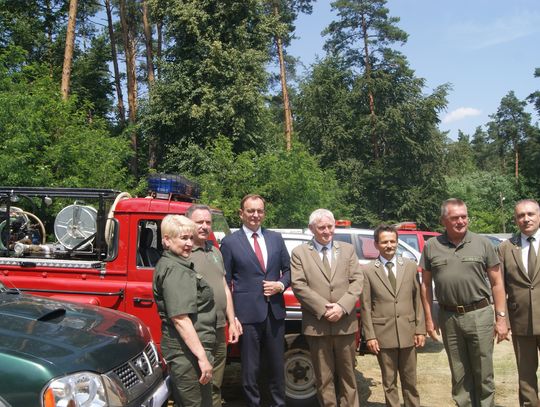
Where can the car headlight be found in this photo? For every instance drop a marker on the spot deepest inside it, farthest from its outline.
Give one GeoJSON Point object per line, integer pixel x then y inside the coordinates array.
{"type": "Point", "coordinates": [82, 389]}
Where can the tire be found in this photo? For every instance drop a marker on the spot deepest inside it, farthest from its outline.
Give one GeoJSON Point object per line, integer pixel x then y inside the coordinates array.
{"type": "Point", "coordinates": [300, 383]}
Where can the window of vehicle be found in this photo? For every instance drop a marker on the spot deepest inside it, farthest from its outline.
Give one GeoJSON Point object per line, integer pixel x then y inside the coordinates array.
{"type": "Point", "coordinates": [220, 227]}
{"type": "Point", "coordinates": [291, 243]}
{"type": "Point", "coordinates": [411, 240]}
{"type": "Point", "coordinates": [149, 246]}
{"type": "Point", "coordinates": [363, 244]}
{"type": "Point", "coordinates": [111, 238]}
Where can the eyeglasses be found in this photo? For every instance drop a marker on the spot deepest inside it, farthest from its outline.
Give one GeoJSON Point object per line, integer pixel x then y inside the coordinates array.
{"type": "Point", "coordinates": [253, 211]}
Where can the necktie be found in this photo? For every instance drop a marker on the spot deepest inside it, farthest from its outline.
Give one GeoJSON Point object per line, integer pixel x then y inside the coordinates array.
{"type": "Point", "coordinates": [391, 275]}
{"type": "Point", "coordinates": [531, 260]}
{"type": "Point", "coordinates": [325, 261]}
{"type": "Point", "coordinates": [258, 251]}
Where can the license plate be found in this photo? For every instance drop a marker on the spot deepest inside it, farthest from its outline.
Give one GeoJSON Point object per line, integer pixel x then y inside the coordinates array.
{"type": "Point", "coordinates": [160, 396]}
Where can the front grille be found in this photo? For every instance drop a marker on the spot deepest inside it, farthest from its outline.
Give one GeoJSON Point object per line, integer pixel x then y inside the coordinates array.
{"type": "Point", "coordinates": [127, 375]}
{"type": "Point", "coordinates": [151, 352]}
{"type": "Point", "coordinates": [137, 369]}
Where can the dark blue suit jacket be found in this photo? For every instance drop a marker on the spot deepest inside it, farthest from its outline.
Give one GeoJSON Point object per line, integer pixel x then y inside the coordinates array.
{"type": "Point", "coordinates": [246, 275]}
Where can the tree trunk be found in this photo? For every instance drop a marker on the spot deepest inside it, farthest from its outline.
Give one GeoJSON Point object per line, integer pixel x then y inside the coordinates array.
{"type": "Point", "coordinates": [159, 30]}
{"type": "Point", "coordinates": [152, 142]}
{"type": "Point", "coordinates": [370, 92]}
{"type": "Point", "coordinates": [516, 153]}
{"type": "Point", "coordinates": [49, 29]}
{"type": "Point", "coordinates": [283, 78]}
{"type": "Point", "coordinates": [129, 47]}
{"type": "Point", "coordinates": [114, 55]}
{"type": "Point", "coordinates": [68, 52]}
{"type": "Point", "coordinates": [148, 42]}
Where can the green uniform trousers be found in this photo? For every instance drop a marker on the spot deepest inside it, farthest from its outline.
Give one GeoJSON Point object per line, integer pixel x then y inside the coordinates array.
{"type": "Point", "coordinates": [468, 340]}
{"type": "Point", "coordinates": [220, 357]}
{"type": "Point", "coordinates": [186, 389]}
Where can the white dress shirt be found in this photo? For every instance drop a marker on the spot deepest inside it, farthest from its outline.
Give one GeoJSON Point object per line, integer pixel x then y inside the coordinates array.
{"type": "Point", "coordinates": [525, 248]}
{"type": "Point", "coordinates": [260, 239]}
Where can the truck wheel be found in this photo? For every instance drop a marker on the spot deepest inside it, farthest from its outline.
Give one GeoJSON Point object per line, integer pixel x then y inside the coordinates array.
{"type": "Point", "coordinates": [300, 384]}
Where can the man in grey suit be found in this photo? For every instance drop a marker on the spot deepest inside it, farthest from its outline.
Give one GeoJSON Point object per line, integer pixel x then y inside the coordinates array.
{"type": "Point", "coordinates": [393, 317]}
{"type": "Point", "coordinates": [522, 281]}
{"type": "Point", "coordinates": [327, 280]}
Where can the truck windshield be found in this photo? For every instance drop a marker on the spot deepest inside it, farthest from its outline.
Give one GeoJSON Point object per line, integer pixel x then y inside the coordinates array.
{"type": "Point", "coordinates": [220, 226]}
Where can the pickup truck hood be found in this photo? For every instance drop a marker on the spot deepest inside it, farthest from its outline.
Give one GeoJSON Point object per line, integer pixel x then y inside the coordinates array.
{"type": "Point", "coordinates": [64, 337]}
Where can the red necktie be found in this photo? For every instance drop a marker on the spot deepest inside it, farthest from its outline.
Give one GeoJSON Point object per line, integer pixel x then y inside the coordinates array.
{"type": "Point", "coordinates": [258, 251]}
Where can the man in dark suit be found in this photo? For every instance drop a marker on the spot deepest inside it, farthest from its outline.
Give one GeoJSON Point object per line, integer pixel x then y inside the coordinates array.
{"type": "Point", "coordinates": [522, 281]}
{"type": "Point", "coordinates": [258, 267]}
{"type": "Point", "coordinates": [393, 317]}
{"type": "Point", "coordinates": [327, 280]}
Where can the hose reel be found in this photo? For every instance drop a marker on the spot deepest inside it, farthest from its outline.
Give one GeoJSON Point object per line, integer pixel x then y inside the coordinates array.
{"type": "Point", "coordinates": [75, 225]}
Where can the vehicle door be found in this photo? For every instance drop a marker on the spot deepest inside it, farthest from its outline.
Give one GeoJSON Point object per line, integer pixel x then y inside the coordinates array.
{"type": "Point", "coordinates": [144, 250]}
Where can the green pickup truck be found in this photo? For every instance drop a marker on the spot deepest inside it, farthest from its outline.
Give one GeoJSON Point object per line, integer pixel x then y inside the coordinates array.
{"type": "Point", "coordinates": [61, 354]}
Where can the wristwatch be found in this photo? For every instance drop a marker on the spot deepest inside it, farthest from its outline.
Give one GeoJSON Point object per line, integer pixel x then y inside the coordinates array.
{"type": "Point", "coordinates": [501, 314]}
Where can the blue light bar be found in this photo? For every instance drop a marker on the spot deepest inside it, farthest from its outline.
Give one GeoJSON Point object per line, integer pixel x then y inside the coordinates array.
{"type": "Point", "coordinates": [167, 186]}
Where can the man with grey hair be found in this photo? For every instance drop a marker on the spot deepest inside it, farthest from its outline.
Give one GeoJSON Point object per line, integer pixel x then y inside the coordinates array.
{"type": "Point", "coordinates": [327, 280]}
{"type": "Point", "coordinates": [519, 256]}
{"type": "Point", "coordinates": [208, 262]}
{"type": "Point", "coordinates": [461, 263]}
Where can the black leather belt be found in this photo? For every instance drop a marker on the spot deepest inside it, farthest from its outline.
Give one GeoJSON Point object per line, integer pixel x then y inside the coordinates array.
{"type": "Point", "coordinates": [462, 309]}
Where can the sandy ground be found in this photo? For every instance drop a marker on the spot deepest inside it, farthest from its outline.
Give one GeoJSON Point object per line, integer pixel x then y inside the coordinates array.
{"type": "Point", "coordinates": [433, 379]}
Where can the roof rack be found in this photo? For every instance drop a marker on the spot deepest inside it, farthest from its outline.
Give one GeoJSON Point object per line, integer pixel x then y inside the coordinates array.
{"type": "Point", "coordinates": [6, 192]}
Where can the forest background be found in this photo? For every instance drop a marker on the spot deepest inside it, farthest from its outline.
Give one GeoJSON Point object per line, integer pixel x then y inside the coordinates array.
{"type": "Point", "coordinates": [189, 87]}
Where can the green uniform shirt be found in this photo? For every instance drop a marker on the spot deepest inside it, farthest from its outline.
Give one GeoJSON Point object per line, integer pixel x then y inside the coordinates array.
{"type": "Point", "coordinates": [180, 290]}
{"type": "Point", "coordinates": [209, 263]}
{"type": "Point", "coordinates": [459, 272]}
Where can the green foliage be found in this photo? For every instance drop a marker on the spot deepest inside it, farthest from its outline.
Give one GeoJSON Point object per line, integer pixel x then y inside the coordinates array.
{"type": "Point", "coordinates": [291, 182]}
{"type": "Point", "coordinates": [534, 97]}
{"type": "Point", "coordinates": [216, 120]}
{"type": "Point", "coordinates": [363, 23]}
{"type": "Point", "coordinates": [46, 141]}
{"type": "Point", "coordinates": [31, 25]}
{"type": "Point", "coordinates": [460, 159]}
{"type": "Point", "coordinates": [509, 128]}
{"type": "Point", "coordinates": [490, 199]}
{"type": "Point", "coordinates": [406, 181]}
{"type": "Point", "coordinates": [214, 76]}
{"type": "Point", "coordinates": [91, 81]}
{"type": "Point", "coordinates": [530, 165]}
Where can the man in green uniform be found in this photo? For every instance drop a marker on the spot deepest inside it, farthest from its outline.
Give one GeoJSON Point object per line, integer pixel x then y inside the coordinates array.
{"type": "Point", "coordinates": [209, 263]}
{"type": "Point", "coordinates": [461, 263]}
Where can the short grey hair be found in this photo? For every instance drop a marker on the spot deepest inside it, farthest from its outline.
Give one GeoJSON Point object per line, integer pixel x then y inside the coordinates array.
{"type": "Point", "coordinates": [524, 201]}
{"type": "Point", "coordinates": [448, 202]}
{"type": "Point", "coordinates": [197, 207]}
{"type": "Point", "coordinates": [318, 214]}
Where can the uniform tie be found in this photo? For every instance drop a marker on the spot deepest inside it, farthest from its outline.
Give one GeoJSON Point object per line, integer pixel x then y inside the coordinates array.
{"type": "Point", "coordinates": [325, 261]}
{"type": "Point", "coordinates": [258, 251]}
{"type": "Point", "coordinates": [391, 275]}
{"type": "Point", "coordinates": [531, 260]}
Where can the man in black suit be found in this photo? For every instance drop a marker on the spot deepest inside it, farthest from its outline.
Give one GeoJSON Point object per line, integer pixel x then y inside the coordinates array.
{"type": "Point", "coordinates": [258, 268]}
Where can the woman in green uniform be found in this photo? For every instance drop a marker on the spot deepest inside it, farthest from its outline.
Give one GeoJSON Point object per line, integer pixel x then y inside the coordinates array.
{"type": "Point", "coordinates": [185, 304]}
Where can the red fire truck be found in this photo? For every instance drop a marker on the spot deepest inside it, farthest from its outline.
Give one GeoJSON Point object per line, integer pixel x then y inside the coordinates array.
{"type": "Point", "coordinates": [99, 246]}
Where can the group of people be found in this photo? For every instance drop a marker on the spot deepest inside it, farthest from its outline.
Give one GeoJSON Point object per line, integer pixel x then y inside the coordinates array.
{"type": "Point", "coordinates": [199, 289]}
